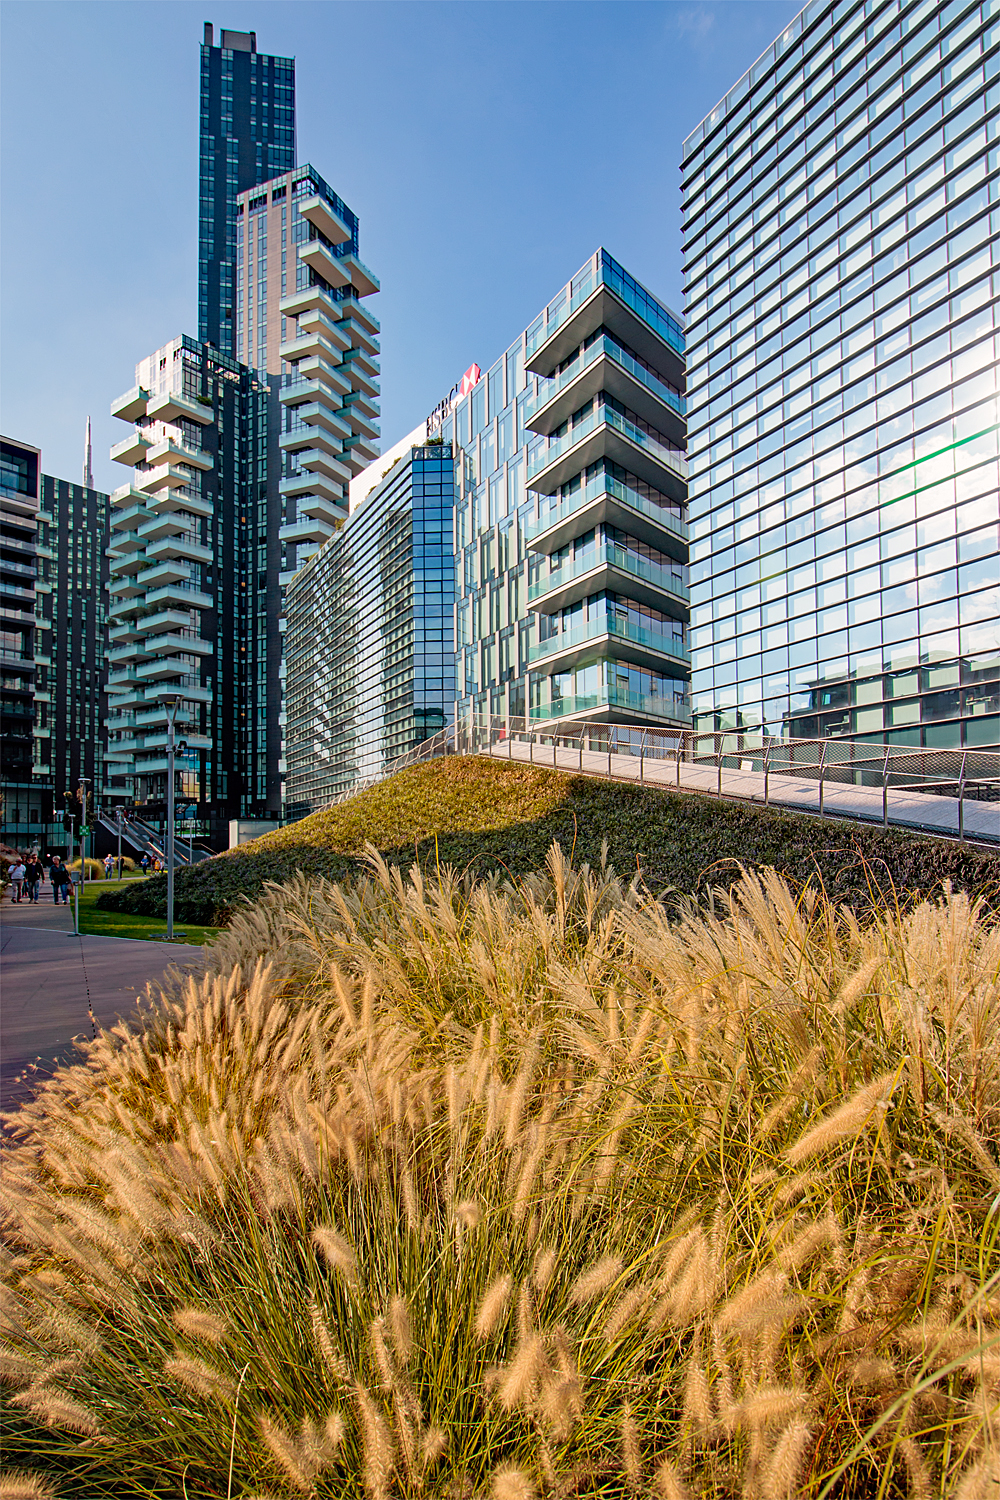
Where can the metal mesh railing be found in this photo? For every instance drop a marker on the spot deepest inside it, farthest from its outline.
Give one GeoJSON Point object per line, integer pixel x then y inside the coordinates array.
{"type": "Point", "coordinates": [952, 792]}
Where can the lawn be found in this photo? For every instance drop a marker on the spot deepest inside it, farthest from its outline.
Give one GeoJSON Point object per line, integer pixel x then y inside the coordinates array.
{"type": "Point", "coordinates": [96, 920]}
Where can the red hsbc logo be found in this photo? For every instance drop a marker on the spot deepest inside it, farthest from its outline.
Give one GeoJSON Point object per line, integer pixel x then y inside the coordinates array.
{"type": "Point", "coordinates": [461, 388]}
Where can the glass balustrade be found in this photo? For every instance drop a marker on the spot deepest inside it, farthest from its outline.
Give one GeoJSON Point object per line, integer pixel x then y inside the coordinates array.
{"type": "Point", "coordinates": [611, 275]}
{"type": "Point", "coordinates": [605, 484]}
{"type": "Point", "coordinates": [617, 557]}
{"type": "Point", "coordinates": [652, 704]}
{"type": "Point", "coordinates": [672, 458]}
{"type": "Point", "coordinates": [602, 346]}
{"type": "Point", "coordinates": [625, 630]}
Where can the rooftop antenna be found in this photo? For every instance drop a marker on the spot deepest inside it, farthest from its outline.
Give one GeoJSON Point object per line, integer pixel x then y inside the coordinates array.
{"type": "Point", "coordinates": [88, 465]}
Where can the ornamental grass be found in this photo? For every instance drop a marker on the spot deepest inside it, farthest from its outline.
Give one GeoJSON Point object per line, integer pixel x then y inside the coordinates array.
{"type": "Point", "coordinates": [445, 1187]}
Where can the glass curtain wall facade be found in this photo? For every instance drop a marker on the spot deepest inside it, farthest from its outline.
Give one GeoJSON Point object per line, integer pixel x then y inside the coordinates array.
{"type": "Point", "coordinates": [190, 609]}
{"type": "Point", "coordinates": [247, 136]}
{"type": "Point", "coordinates": [841, 225]}
{"type": "Point", "coordinates": [72, 614]}
{"type": "Point", "coordinates": [25, 771]}
{"type": "Point", "coordinates": [570, 519]}
{"type": "Point", "coordinates": [369, 643]}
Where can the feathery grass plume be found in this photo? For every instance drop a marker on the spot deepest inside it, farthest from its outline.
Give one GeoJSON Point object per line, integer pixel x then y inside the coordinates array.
{"type": "Point", "coordinates": [849, 1120]}
{"type": "Point", "coordinates": [200, 1378]}
{"type": "Point", "coordinates": [595, 1280]}
{"type": "Point", "coordinates": [520, 1379]}
{"type": "Point", "coordinates": [434, 1446]}
{"type": "Point", "coordinates": [543, 1269]}
{"type": "Point", "coordinates": [560, 1405]}
{"type": "Point", "coordinates": [329, 1350]}
{"type": "Point", "coordinates": [51, 1407]}
{"type": "Point", "coordinates": [402, 1332]}
{"type": "Point", "coordinates": [299, 1465]}
{"type": "Point", "coordinates": [921, 1484]}
{"type": "Point", "coordinates": [631, 1451]}
{"type": "Point", "coordinates": [668, 1483]}
{"type": "Point", "coordinates": [336, 1252]}
{"type": "Point", "coordinates": [14, 1368]}
{"type": "Point", "coordinates": [380, 1350]}
{"type": "Point", "coordinates": [696, 1413]}
{"type": "Point", "coordinates": [199, 1323]}
{"type": "Point", "coordinates": [378, 1447]}
{"type": "Point", "coordinates": [514, 1118]}
{"type": "Point", "coordinates": [468, 1213]}
{"type": "Point", "coordinates": [625, 1314]}
{"type": "Point", "coordinates": [980, 1480]}
{"type": "Point", "coordinates": [493, 1306]}
{"type": "Point", "coordinates": [780, 1479]}
{"type": "Point", "coordinates": [769, 1405]}
{"type": "Point", "coordinates": [511, 1483]}
{"type": "Point", "coordinates": [17, 1484]}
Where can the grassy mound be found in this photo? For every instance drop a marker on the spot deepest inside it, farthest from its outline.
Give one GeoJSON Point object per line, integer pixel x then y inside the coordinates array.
{"type": "Point", "coordinates": [523, 1190]}
{"type": "Point", "coordinates": [481, 814]}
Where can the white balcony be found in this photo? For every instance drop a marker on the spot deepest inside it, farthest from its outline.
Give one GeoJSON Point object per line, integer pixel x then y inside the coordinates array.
{"type": "Point", "coordinates": [131, 450]}
{"type": "Point", "coordinates": [164, 476]}
{"type": "Point", "coordinates": [169, 641]}
{"type": "Point", "coordinates": [361, 315]}
{"type": "Point", "coordinates": [169, 407]}
{"type": "Point", "coordinates": [320, 419]}
{"type": "Point", "coordinates": [179, 499]}
{"type": "Point", "coordinates": [317, 257]}
{"type": "Point", "coordinates": [181, 596]}
{"type": "Point", "coordinates": [316, 484]}
{"type": "Point", "coordinates": [316, 318]}
{"type": "Point", "coordinates": [318, 461]}
{"type": "Point", "coordinates": [363, 280]}
{"type": "Point", "coordinates": [305, 530]}
{"type": "Point", "coordinates": [131, 405]}
{"type": "Point", "coordinates": [156, 528]}
{"type": "Point", "coordinates": [169, 548]}
{"type": "Point", "coordinates": [318, 509]}
{"type": "Point", "coordinates": [329, 223]}
{"type": "Point", "coordinates": [127, 496]}
{"type": "Point", "coordinates": [170, 449]}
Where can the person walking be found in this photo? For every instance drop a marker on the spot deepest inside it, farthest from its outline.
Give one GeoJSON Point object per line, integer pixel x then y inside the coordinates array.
{"type": "Point", "coordinates": [61, 881]}
{"type": "Point", "coordinates": [109, 865]}
{"type": "Point", "coordinates": [32, 876]}
{"type": "Point", "coordinates": [17, 873]}
{"type": "Point", "coordinates": [144, 863]}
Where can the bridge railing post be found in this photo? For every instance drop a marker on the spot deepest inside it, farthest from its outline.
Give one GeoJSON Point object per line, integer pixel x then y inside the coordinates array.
{"type": "Point", "coordinates": [961, 799]}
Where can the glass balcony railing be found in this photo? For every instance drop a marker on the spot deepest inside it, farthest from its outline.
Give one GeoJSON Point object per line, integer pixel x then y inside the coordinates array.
{"type": "Point", "coordinates": [622, 630]}
{"type": "Point", "coordinates": [655, 705]}
{"type": "Point", "coordinates": [611, 275]}
{"type": "Point", "coordinates": [671, 458]}
{"type": "Point", "coordinates": [604, 484]}
{"type": "Point", "coordinates": [610, 347]}
{"type": "Point", "coordinates": [618, 557]}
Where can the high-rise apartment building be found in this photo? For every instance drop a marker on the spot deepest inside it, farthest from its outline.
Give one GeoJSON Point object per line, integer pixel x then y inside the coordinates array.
{"type": "Point", "coordinates": [72, 624]}
{"type": "Point", "coordinates": [369, 646]}
{"type": "Point", "coordinates": [193, 603]}
{"type": "Point", "coordinates": [300, 322]}
{"type": "Point", "coordinates": [247, 136]}
{"type": "Point", "coordinates": [841, 225]}
{"type": "Point", "coordinates": [25, 771]}
{"type": "Point", "coordinates": [570, 519]}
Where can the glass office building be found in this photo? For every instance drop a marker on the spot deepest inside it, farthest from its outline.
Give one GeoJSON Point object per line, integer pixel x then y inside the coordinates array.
{"type": "Point", "coordinates": [247, 136]}
{"type": "Point", "coordinates": [570, 520]}
{"type": "Point", "coordinates": [369, 644]}
{"type": "Point", "coordinates": [841, 225]}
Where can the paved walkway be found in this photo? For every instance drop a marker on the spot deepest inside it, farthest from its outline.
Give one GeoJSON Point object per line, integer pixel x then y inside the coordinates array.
{"type": "Point", "coordinates": [47, 973]}
{"type": "Point", "coordinates": [907, 809]}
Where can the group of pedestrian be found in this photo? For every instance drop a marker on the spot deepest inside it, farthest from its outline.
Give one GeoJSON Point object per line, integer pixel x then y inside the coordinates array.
{"type": "Point", "coordinates": [26, 877]}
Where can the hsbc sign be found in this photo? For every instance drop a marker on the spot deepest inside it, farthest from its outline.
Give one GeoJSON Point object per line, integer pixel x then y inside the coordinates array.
{"type": "Point", "coordinates": [459, 389]}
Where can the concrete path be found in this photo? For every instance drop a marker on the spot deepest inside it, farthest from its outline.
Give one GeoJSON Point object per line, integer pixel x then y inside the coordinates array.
{"type": "Point", "coordinates": [907, 809]}
{"type": "Point", "coordinates": [46, 973]}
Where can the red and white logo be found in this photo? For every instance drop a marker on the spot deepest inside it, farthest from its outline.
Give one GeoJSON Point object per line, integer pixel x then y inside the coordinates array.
{"type": "Point", "coordinates": [469, 379]}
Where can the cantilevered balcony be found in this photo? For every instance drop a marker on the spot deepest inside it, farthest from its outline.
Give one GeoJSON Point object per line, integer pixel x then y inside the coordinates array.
{"type": "Point", "coordinates": [321, 421]}
{"type": "Point", "coordinates": [179, 499]}
{"type": "Point", "coordinates": [164, 476]}
{"type": "Point", "coordinates": [305, 530]}
{"type": "Point", "coordinates": [606, 298]}
{"type": "Point", "coordinates": [171, 641]}
{"type": "Point", "coordinates": [606, 366]}
{"type": "Point", "coordinates": [166, 621]}
{"type": "Point", "coordinates": [314, 344]}
{"type": "Point", "coordinates": [183, 595]}
{"type": "Point", "coordinates": [319, 461]}
{"type": "Point", "coordinates": [318, 258]}
{"type": "Point", "coordinates": [358, 313]}
{"type": "Point", "coordinates": [317, 509]}
{"type": "Point", "coordinates": [608, 500]}
{"type": "Point", "coordinates": [170, 451]}
{"type": "Point", "coordinates": [364, 281]}
{"type": "Point", "coordinates": [327, 221]}
{"type": "Point", "coordinates": [155, 528]}
{"type": "Point", "coordinates": [611, 703]}
{"type": "Point", "coordinates": [126, 497]}
{"type": "Point", "coordinates": [130, 405]}
{"type": "Point", "coordinates": [316, 484]}
{"type": "Point", "coordinates": [169, 548]}
{"type": "Point", "coordinates": [607, 635]}
{"type": "Point", "coordinates": [607, 434]}
{"type": "Point", "coordinates": [323, 321]}
{"type": "Point", "coordinates": [616, 569]}
{"type": "Point", "coordinates": [359, 452]}
{"type": "Point", "coordinates": [132, 450]}
{"type": "Point", "coordinates": [174, 404]}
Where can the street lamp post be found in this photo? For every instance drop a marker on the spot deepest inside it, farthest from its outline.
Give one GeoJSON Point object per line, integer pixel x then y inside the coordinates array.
{"type": "Point", "coordinates": [171, 701]}
{"type": "Point", "coordinates": [82, 795]}
{"type": "Point", "coordinates": [118, 816]}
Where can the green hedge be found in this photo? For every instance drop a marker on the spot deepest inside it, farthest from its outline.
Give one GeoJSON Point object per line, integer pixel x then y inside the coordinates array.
{"type": "Point", "coordinates": [476, 812]}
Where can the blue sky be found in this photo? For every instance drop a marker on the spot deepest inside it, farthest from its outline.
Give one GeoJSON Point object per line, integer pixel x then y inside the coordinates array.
{"type": "Point", "coordinates": [487, 148]}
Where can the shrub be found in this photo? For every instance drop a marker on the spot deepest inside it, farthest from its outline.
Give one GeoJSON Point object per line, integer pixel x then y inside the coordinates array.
{"type": "Point", "coordinates": [524, 1187]}
{"type": "Point", "coordinates": [95, 868]}
{"type": "Point", "coordinates": [484, 814]}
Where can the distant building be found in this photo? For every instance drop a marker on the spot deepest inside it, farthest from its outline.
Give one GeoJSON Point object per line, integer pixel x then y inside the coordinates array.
{"type": "Point", "coordinates": [570, 515]}
{"type": "Point", "coordinates": [25, 769]}
{"type": "Point", "coordinates": [72, 616]}
{"type": "Point", "coordinates": [247, 136]}
{"type": "Point", "coordinates": [840, 245]}
{"type": "Point", "coordinates": [193, 604]}
{"type": "Point", "coordinates": [369, 643]}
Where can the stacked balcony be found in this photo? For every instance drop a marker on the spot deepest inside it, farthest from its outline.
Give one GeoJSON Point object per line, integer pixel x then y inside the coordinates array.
{"type": "Point", "coordinates": [156, 554]}
{"type": "Point", "coordinates": [329, 393]}
{"type": "Point", "coordinates": [609, 585]}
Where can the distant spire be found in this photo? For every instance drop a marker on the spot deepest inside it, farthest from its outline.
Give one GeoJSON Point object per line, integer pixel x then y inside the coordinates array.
{"type": "Point", "coordinates": [88, 466]}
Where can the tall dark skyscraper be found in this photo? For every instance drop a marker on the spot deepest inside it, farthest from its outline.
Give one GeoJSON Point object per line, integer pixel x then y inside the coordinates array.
{"type": "Point", "coordinates": [247, 137]}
